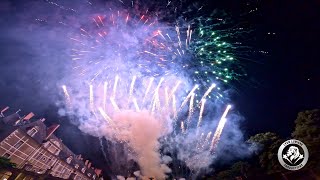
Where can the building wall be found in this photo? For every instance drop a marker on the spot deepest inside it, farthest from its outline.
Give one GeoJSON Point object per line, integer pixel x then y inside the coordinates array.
{"type": "Point", "coordinates": [80, 176]}
{"type": "Point", "coordinates": [41, 160]}
{"type": "Point", "coordinates": [18, 147]}
{"type": "Point", "coordinates": [28, 154]}
{"type": "Point", "coordinates": [62, 170]}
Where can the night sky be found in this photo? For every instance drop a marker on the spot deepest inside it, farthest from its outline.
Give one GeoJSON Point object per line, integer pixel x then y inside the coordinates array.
{"type": "Point", "coordinates": [279, 84]}
{"type": "Point", "coordinates": [289, 77]}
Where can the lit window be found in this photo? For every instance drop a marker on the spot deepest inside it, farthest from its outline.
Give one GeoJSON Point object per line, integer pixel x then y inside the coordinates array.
{"type": "Point", "coordinates": [6, 175]}
{"type": "Point", "coordinates": [69, 159]}
{"type": "Point", "coordinates": [83, 170]}
{"type": "Point", "coordinates": [18, 144]}
{"type": "Point", "coordinates": [31, 132]}
{"type": "Point", "coordinates": [76, 166]}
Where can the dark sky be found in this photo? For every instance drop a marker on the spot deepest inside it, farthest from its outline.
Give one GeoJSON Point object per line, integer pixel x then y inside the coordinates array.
{"type": "Point", "coordinates": [287, 79]}
{"type": "Point", "coordinates": [290, 75]}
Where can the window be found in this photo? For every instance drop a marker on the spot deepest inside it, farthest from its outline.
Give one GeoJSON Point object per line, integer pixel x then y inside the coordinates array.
{"type": "Point", "coordinates": [18, 144]}
{"type": "Point", "coordinates": [31, 132]}
{"type": "Point", "coordinates": [83, 170]}
{"type": "Point", "coordinates": [56, 151]}
{"type": "Point", "coordinates": [76, 166]}
{"type": "Point", "coordinates": [6, 155]}
{"type": "Point", "coordinates": [89, 174]}
{"type": "Point", "coordinates": [28, 167]}
{"type": "Point", "coordinates": [5, 175]}
{"type": "Point", "coordinates": [69, 159]}
{"type": "Point", "coordinates": [44, 159]}
{"type": "Point", "coordinates": [39, 156]}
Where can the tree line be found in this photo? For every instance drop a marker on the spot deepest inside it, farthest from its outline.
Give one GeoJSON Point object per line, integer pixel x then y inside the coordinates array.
{"type": "Point", "coordinates": [265, 160]}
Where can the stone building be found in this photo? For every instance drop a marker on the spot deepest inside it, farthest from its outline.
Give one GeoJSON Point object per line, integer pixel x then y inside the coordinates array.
{"type": "Point", "coordinates": [33, 147]}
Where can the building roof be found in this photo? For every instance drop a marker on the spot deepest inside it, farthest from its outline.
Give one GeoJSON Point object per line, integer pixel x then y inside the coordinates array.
{"type": "Point", "coordinates": [8, 125]}
{"type": "Point", "coordinates": [5, 131]}
{"type": "Point", "coordinates": [11, 119]}
{"type": "Point", "coordinates": [41, 135]}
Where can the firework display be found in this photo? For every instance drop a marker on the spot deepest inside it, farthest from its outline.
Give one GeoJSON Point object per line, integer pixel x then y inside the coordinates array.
{"type": "Point", "coordinates": [108, 104]}
{"type": "Point", "coordinates": [120, 42]}
{"type": "Point", "coordinates": [151, 85]}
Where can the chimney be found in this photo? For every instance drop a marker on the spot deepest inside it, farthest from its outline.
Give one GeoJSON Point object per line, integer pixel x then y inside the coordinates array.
{"type": "Point", "coordinates": [18, 113]}
{"type": "Point", "coordinates": [86, 162]}
{"type": "Point", "coordinates": [89, 165]}
{"type": "Point", "coordinates": [42, 119]}
{"type": "Point", "coordinates": [3, 110]}
{"type": "Point", "coordinates": [79, 156]}
{"type": "Point", "coordinates": [29, 116]}
{"type": "Point", "coordinates": [98, 172]}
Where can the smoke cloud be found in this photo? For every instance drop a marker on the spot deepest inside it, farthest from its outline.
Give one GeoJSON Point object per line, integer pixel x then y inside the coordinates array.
{"type": "Point", "coordinates": [141, 132]}
{"type": "Point", "coordinates": [150, 130]}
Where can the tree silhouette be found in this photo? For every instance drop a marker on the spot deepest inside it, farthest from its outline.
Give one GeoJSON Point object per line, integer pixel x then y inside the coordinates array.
{"type": "Point", "coordinates": [238, 169]}
{"type": "Point", "coordinates": [5, 163]}
{"type": "Point", "coordinates": [307, 130]}
{"type": "Point", "coordinates": [268, 144]}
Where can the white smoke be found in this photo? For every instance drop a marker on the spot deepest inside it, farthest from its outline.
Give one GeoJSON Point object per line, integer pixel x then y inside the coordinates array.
{"type": "Point", "coordinates": [166, 159]}
{"type": "Point", "coordinates": [141, 132]}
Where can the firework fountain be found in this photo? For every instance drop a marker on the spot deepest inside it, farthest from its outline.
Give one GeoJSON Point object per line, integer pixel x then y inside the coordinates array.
{"type": "Point", "coordinates": [141, 119]}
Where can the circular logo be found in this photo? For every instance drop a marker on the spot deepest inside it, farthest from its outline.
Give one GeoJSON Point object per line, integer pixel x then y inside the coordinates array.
{"type": "Point", "coordinates": [293, 154]}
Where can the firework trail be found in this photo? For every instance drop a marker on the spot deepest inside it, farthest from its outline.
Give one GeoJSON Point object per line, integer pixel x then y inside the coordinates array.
{"type": "Point", "coordinates": [206, 140]}
{"type": "Point", "coordinates": [115, 87]}
{"type": "Point", "coordinates": [201, 112]}
{"type": "Point", "coordinates": [189, 96]}
{"type": "Point", "coordinates": [219, 129]}
{"type": "Point", "coordinates": [148, 88]}
{"type": "Point", "coordinates": [119, 116]}
{"type": "Point", "coordinates": [105, 88]}
{"type": "Point", "coordinates": [91, 98]}
{"type": "Point", "coordinates": [66, 94]}
{"type": "Point", "coordinates": [191, 109]}
{"type": "Point", "coordinates": [102, 149]}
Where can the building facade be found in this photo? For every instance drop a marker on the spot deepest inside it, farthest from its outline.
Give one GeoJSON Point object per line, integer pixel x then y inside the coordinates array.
{"type": "Point", "coordinates": [33, 147]}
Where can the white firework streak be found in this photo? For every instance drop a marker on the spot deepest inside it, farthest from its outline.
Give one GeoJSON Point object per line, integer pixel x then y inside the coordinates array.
{"type": "Point", "coordinates": [66, 94]}
{"type": "Point", "coordinates": [156, 109]}
{"type": "Point", "coordinates": [91, 98]}
{"type": "Point", "coordinates": [115, 86]}
{"type": "Point", "coordinates": [219, 129]}
{"type": "Point", "coordinates": [148, 89]}
{"type": "Point", "coordinates": [105, 88]}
